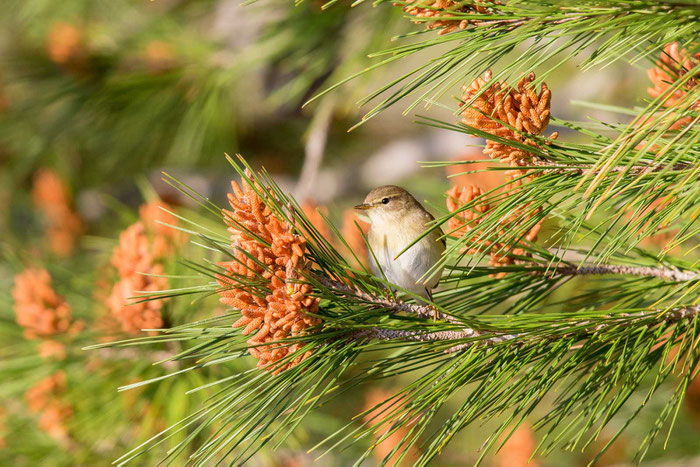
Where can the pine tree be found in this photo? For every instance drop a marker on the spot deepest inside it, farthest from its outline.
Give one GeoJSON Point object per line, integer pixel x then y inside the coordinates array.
{"type": "Point", "coordinates": [322, 327]}
{"type": "Point", "coordinates": [569, 301]}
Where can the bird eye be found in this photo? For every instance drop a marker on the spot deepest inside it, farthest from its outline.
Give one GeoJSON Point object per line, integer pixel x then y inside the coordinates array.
{"type": "Point", "coordinates": [385, 200]}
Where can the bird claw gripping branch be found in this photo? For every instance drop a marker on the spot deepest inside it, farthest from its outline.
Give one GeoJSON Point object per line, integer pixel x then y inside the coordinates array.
{"type": "Point", "coordinates": [263, 279]}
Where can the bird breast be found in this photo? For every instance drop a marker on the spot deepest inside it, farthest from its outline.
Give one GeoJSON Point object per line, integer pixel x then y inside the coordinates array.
{"type": "Point", "coordinates": [408, 269]}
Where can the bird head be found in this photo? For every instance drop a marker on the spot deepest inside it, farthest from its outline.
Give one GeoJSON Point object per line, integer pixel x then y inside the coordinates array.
{"type": "Point", "coordinates": [388, 203]}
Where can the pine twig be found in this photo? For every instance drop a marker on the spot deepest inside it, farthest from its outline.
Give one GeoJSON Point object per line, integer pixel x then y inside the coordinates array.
{"type": "Point", "coordinates": [674, 275]}
{"type": "Point", "coordinates": [430, 311]}
{"type": "Point", "coordinates": [418, 336]}
{"type": "Point", "coordinates": [397, 306]}
{"type": "Point", "coordinates": [672, 316]}
{"type": "Point", "coordinates": [555, 167]}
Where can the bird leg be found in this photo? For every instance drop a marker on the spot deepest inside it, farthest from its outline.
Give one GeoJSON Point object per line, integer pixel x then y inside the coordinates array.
{"type": "Point", "coordinates": [430, 297]}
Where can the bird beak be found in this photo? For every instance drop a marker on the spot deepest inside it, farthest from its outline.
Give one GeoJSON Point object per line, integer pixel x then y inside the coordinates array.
{"type": "Point", "coordinates": [363, 207]}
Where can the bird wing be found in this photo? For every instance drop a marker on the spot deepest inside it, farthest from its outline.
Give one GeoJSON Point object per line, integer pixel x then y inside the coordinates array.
{"type": "Point", "coordinates": [437, 232]}
{"type": "Point", "coordinates": [437, 235]}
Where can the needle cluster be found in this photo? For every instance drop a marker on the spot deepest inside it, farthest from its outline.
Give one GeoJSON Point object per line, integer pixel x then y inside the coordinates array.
{"type": "Point", "coordinates": [352, 230]}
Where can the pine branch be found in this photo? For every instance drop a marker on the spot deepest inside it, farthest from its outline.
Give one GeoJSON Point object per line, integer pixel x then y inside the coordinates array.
{"type": "Point", "coordinates": [429, 311]}
{"type": "Point", "coordinates": [674, 275]}
{"type": "Point", "coordinates": [512, 361]}
{"type": "Point", "coordinates": [668, 316]}
{"type": "Point", "coordinates": [555, 167]}
{"type": "Point", "coordinates": [581, 29]}
{"type": "Point", "coordinates": [397, 306]}
{"type": "Point", "coordinates": [426, 311]}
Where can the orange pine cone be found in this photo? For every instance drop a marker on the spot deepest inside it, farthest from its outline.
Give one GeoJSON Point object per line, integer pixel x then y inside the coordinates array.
{"type": "Point", "coordinates": [44, 398]}
{"type": "Point", "coordinates": [280, 309]}
{"type": "Point", "coordinates": [672, 65]}
{"type": "Point", "coordinates": [38, 309]}
{"type": "Point", "coordinates": [487, 180]}
{"type": "Point", "coordinates": [311, 210]}
{"type": "Point", "coordinates": [52, 350]}
{"type": "Point", "coordinates": [509, 113]}
{"type": "Point", "coordinates": [519, 107]}
{"type": "Point", "coordinates": [437, 13]}
{"type": "Point", "coordinates": [466, 223]}
{"type": "Point", "coordinates": [353, 235]}
{"type": "Point", "coordinates": [159, 56]}
{"type": "Point", "coordinates": [64, 43]}
{"type": "Point", "coordinates": [381, 450]}
{"type": "Point", "coordinates": [516, 452]}
{"type": "Point", "coordinates": [136, 259]}
{"type": "Point", "coordinates": [158, 220]}
{"type": "Point", "coordinates": [132, 254]}
{"type": "Point", "coordinates": [52, 198]}
{"type": "Point", "coordinates": [133, 313]}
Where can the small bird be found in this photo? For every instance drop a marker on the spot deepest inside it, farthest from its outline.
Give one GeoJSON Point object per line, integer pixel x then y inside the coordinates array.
{"type": "Point", "coordinates": [396, 220]}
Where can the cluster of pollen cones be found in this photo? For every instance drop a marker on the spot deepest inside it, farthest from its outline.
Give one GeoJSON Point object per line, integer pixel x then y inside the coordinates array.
{"type": "Point", "coordinates": [138, 261]}
{"type": "Point", "coordinates": [511, 114]}
{"type": "Point", "coordinates": [445, 15]}
{"type": "Point", "coordinates": [263, 280]}
{"type": "Point", "coordinates": [674, 64]}
{"type": "Point", "coordinates": [51, 197]}
{"type": "Point", "coordinates": [38, 308]}
{"type": "Point", "coordinates": [45, 399]}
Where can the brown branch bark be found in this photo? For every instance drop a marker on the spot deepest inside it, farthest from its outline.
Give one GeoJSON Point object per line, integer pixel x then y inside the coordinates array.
{"type": "Point", "coordinates": [397, 306]}
{"type": "Point", "coordinates": [555, 167]}
{"type": "Point", "coordinates": [429, 311]}
{"type": "Point", "coordinates": [672, 316]}
{"type": "Point", "coordinates": [674, 275]}
{"type": "Point", "coordinates": [418, 336]}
